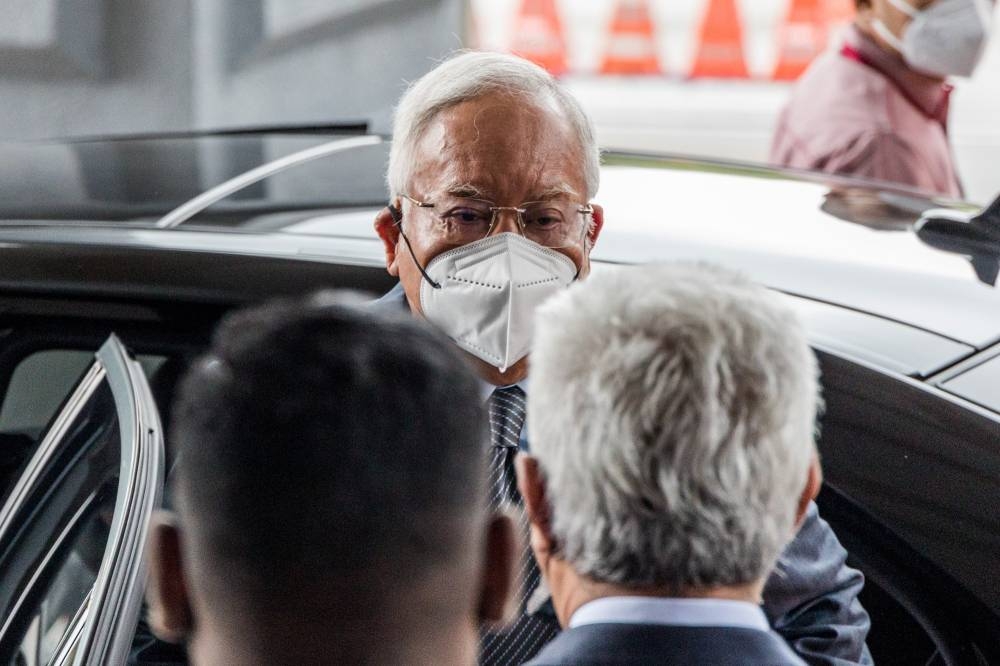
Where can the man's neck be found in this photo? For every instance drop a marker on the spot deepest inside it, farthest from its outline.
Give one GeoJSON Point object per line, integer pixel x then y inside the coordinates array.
{"type": "Point", "coordinates": [492, 375]}
{"type": "Point", "coordinates": [445, 643]}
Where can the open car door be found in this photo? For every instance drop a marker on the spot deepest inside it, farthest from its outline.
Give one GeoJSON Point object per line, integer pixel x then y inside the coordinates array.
{"type": "Point", "coordinates": [74, 526]}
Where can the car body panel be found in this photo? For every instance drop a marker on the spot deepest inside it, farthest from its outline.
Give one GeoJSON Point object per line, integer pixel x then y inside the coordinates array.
{"type": "Point", "coordinates": [212, 265]}
{"type": "Point", "coordinates": [181, 265]}
{"type": "Point", "coordinates": [979, 384]}
{"type": "Point", "coordinates": [920, 460]}
{"type": "Point", "coordinates": [778, 232]}
{"type": "Point", "coordinates": [881, 342]}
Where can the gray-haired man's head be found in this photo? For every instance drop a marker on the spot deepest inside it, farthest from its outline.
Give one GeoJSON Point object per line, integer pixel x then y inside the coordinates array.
{"type": "Point", "coordinates": [671, 415]}
{"type": "Point", "coordinates": [471, 75]}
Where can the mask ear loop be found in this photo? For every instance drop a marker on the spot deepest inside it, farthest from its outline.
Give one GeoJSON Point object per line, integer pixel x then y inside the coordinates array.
{"type": "Point", "coordinates": [397, 218]}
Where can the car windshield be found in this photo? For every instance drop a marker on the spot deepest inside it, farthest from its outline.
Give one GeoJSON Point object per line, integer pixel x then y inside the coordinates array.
{"type": "Point", "coordinates": [140, 180]}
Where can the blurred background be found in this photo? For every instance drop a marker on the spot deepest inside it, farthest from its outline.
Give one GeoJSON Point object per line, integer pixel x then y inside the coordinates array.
{"type": "Point", "coordinates": [695, 77]}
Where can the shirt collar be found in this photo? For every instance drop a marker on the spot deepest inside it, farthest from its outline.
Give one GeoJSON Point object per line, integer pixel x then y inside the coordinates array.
{"type": "Point", "coordinates": [929, 96]}
{"type": "Point", "coordinates": [486, 389]}
{"type": "Point", "coordinates": [660, 610]}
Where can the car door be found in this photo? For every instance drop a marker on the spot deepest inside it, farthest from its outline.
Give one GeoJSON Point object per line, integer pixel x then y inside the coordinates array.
{"type": "Point", "coordinates": [911, 486]}
{"type": "Point", "coordinates": [74, 525]}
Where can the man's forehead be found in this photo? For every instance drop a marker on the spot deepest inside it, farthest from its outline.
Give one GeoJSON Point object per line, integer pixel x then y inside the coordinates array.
{"type": "Point", "coordinates": [542, 192]}
{"type": "Point", "coordinates": [499, 147]}
{"type": "Point", "coordinates": [509, 118]}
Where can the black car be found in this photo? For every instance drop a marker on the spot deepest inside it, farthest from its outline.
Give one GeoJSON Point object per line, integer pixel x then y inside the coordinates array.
{"type": "Point", "coordinates": [118, 256]}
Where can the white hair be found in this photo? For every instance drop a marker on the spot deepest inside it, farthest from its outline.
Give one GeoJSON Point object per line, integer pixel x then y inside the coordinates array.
{"type": "Point", "coordinates": [672, 410]}
{"type": "Point", "coordinates": [473, 74]}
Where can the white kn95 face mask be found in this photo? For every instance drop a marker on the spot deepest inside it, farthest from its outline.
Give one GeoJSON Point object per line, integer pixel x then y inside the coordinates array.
{"type": "Point", "coordinates": [945, 39]}
{"type": "Point", "coordinates": [488, 291]}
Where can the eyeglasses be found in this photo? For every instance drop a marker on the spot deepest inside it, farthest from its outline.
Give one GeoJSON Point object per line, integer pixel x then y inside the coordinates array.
{"type": "Point", "coordinates": [552, 224]}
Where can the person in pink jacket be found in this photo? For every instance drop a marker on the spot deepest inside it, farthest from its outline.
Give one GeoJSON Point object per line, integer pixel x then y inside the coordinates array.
{"type": "Point", "coordinates": [877, 107]}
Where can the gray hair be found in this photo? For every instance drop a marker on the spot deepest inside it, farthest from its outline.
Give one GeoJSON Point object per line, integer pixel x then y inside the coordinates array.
{"type": "Point", "coordinates": [672, 410]}
{"type": "Point", "coordinates": [469, 75]}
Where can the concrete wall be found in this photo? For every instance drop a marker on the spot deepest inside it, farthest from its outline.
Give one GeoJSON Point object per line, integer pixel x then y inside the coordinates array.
{"type": "Point", "coordinates": [71, 67]}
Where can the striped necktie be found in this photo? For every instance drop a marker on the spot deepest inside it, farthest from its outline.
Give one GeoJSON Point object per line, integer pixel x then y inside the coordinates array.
{"type": "Point", "coordinates": [527, 636]}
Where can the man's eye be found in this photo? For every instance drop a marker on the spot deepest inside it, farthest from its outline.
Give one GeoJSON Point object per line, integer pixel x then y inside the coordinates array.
{"type": "Point", "coordinates": [543, 218]}
{"type": "Point", "coordinates": [468, 216]}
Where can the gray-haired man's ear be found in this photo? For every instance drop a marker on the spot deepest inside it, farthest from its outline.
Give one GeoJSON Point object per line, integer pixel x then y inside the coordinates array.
{"type": "Point", "coordinates": [531, 484]}
{"type": "Point", "coordinates": [499, 576]}
{"type": "Point", "coordinates": [170, 615]}
{"type": "Point", "coordinates": [814, 481]}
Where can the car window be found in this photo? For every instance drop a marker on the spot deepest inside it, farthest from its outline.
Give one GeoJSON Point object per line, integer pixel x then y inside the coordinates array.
{"type": "Point", "coordinates": [73, 526]}
{"type": "Point", "coordinates": [94, 453]}
{"type": "Point", "coordinates": [38, 386]}
{"type": "Point", "coordinates": [324, 186]}
{"type": "Point", "coordinates": [70, 511]}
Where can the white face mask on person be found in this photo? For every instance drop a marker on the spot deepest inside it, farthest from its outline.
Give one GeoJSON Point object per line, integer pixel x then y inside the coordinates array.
{"type": "Point", "coordinates": [487, 294]}
{"type": "Point", "coordinates": [945, 39]}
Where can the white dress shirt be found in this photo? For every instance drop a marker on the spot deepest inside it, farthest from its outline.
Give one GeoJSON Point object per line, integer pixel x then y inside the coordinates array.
{"type": "Point", "coordinates": [660, 610]}
{"type": "Point", "coordinates": [486, 389]}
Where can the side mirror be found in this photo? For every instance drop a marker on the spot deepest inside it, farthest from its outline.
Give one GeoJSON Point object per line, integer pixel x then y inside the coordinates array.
{"type": "Point", "coordinates": [977, 237]}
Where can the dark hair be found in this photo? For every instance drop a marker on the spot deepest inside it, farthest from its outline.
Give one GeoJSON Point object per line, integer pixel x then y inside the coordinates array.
{"type": "Point", "coordinates": [325, 446]}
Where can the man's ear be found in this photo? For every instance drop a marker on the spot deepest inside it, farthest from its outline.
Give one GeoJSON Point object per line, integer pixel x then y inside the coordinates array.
{"type": "Point", "coordinates": [814, 480]}
{"type": "Point", "coordinates": [388, 231]}
{"type": "Point", "coordinates": [170, 615]}
{"type": "Point", "coordinates": [499, 575]}
{"type": "Point", "coordinates": [531, 484]}
{"type": "Point", "coordinates": [597, 223]}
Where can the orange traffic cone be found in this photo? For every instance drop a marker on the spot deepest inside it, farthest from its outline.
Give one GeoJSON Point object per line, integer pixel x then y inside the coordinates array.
{"type": "Point", "coordinates": [720, 54]}
{"type": "Point", "coordinates": [538, 35]}
{"type": "Point", "coordinates": [800, 39]}
{"type": "Point", "coordinates": [839, 11]}
{"type": "Point", "coordinates": [631, 43]}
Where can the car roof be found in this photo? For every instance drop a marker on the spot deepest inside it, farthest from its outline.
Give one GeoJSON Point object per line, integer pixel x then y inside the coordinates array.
{"type": "Point", "coordinates": [838, 242]}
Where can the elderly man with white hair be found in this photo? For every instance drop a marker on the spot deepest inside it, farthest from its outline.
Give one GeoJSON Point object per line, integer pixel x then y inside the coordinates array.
{"type": "Point", "coordinates": [491, 175]}
{"type": "Point", "coordinates": [672, 459]}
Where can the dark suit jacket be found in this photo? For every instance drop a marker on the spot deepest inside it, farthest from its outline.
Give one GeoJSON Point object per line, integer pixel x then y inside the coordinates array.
{"type": "Point", "coordinates": [812, 598]}
{"type": "Point", "coordinates": [666, 645]}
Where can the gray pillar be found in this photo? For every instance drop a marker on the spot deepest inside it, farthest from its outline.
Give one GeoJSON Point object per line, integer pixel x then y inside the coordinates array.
{"type": "Point", "coordinates": [70, 67]}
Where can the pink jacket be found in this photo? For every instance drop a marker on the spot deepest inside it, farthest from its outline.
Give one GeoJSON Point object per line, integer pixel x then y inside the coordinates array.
{"type": "Point", "coordinates": [861, 111]}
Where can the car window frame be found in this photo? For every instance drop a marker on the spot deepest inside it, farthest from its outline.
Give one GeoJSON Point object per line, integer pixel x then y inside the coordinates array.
{"type": "Point", "coordinates": [101, 630]}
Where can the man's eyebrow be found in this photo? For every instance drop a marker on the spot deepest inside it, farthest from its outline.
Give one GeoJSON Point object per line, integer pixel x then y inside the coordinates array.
{"type": "Point", "coordinates": [556, 192]}
{"type": "Point", "coordinates": [465, 190]}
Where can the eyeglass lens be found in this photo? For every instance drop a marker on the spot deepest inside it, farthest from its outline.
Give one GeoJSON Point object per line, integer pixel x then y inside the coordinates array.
{"type": "Point", "coordinates": [549, 223]}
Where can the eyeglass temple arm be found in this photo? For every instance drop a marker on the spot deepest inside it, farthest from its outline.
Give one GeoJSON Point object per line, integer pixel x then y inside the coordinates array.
{"type": "Point", "coordinates": [397, 218]}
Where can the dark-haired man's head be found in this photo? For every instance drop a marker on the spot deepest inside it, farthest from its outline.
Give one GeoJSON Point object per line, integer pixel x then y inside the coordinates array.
{"type": "Point", "coordinates": [329, 492]}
